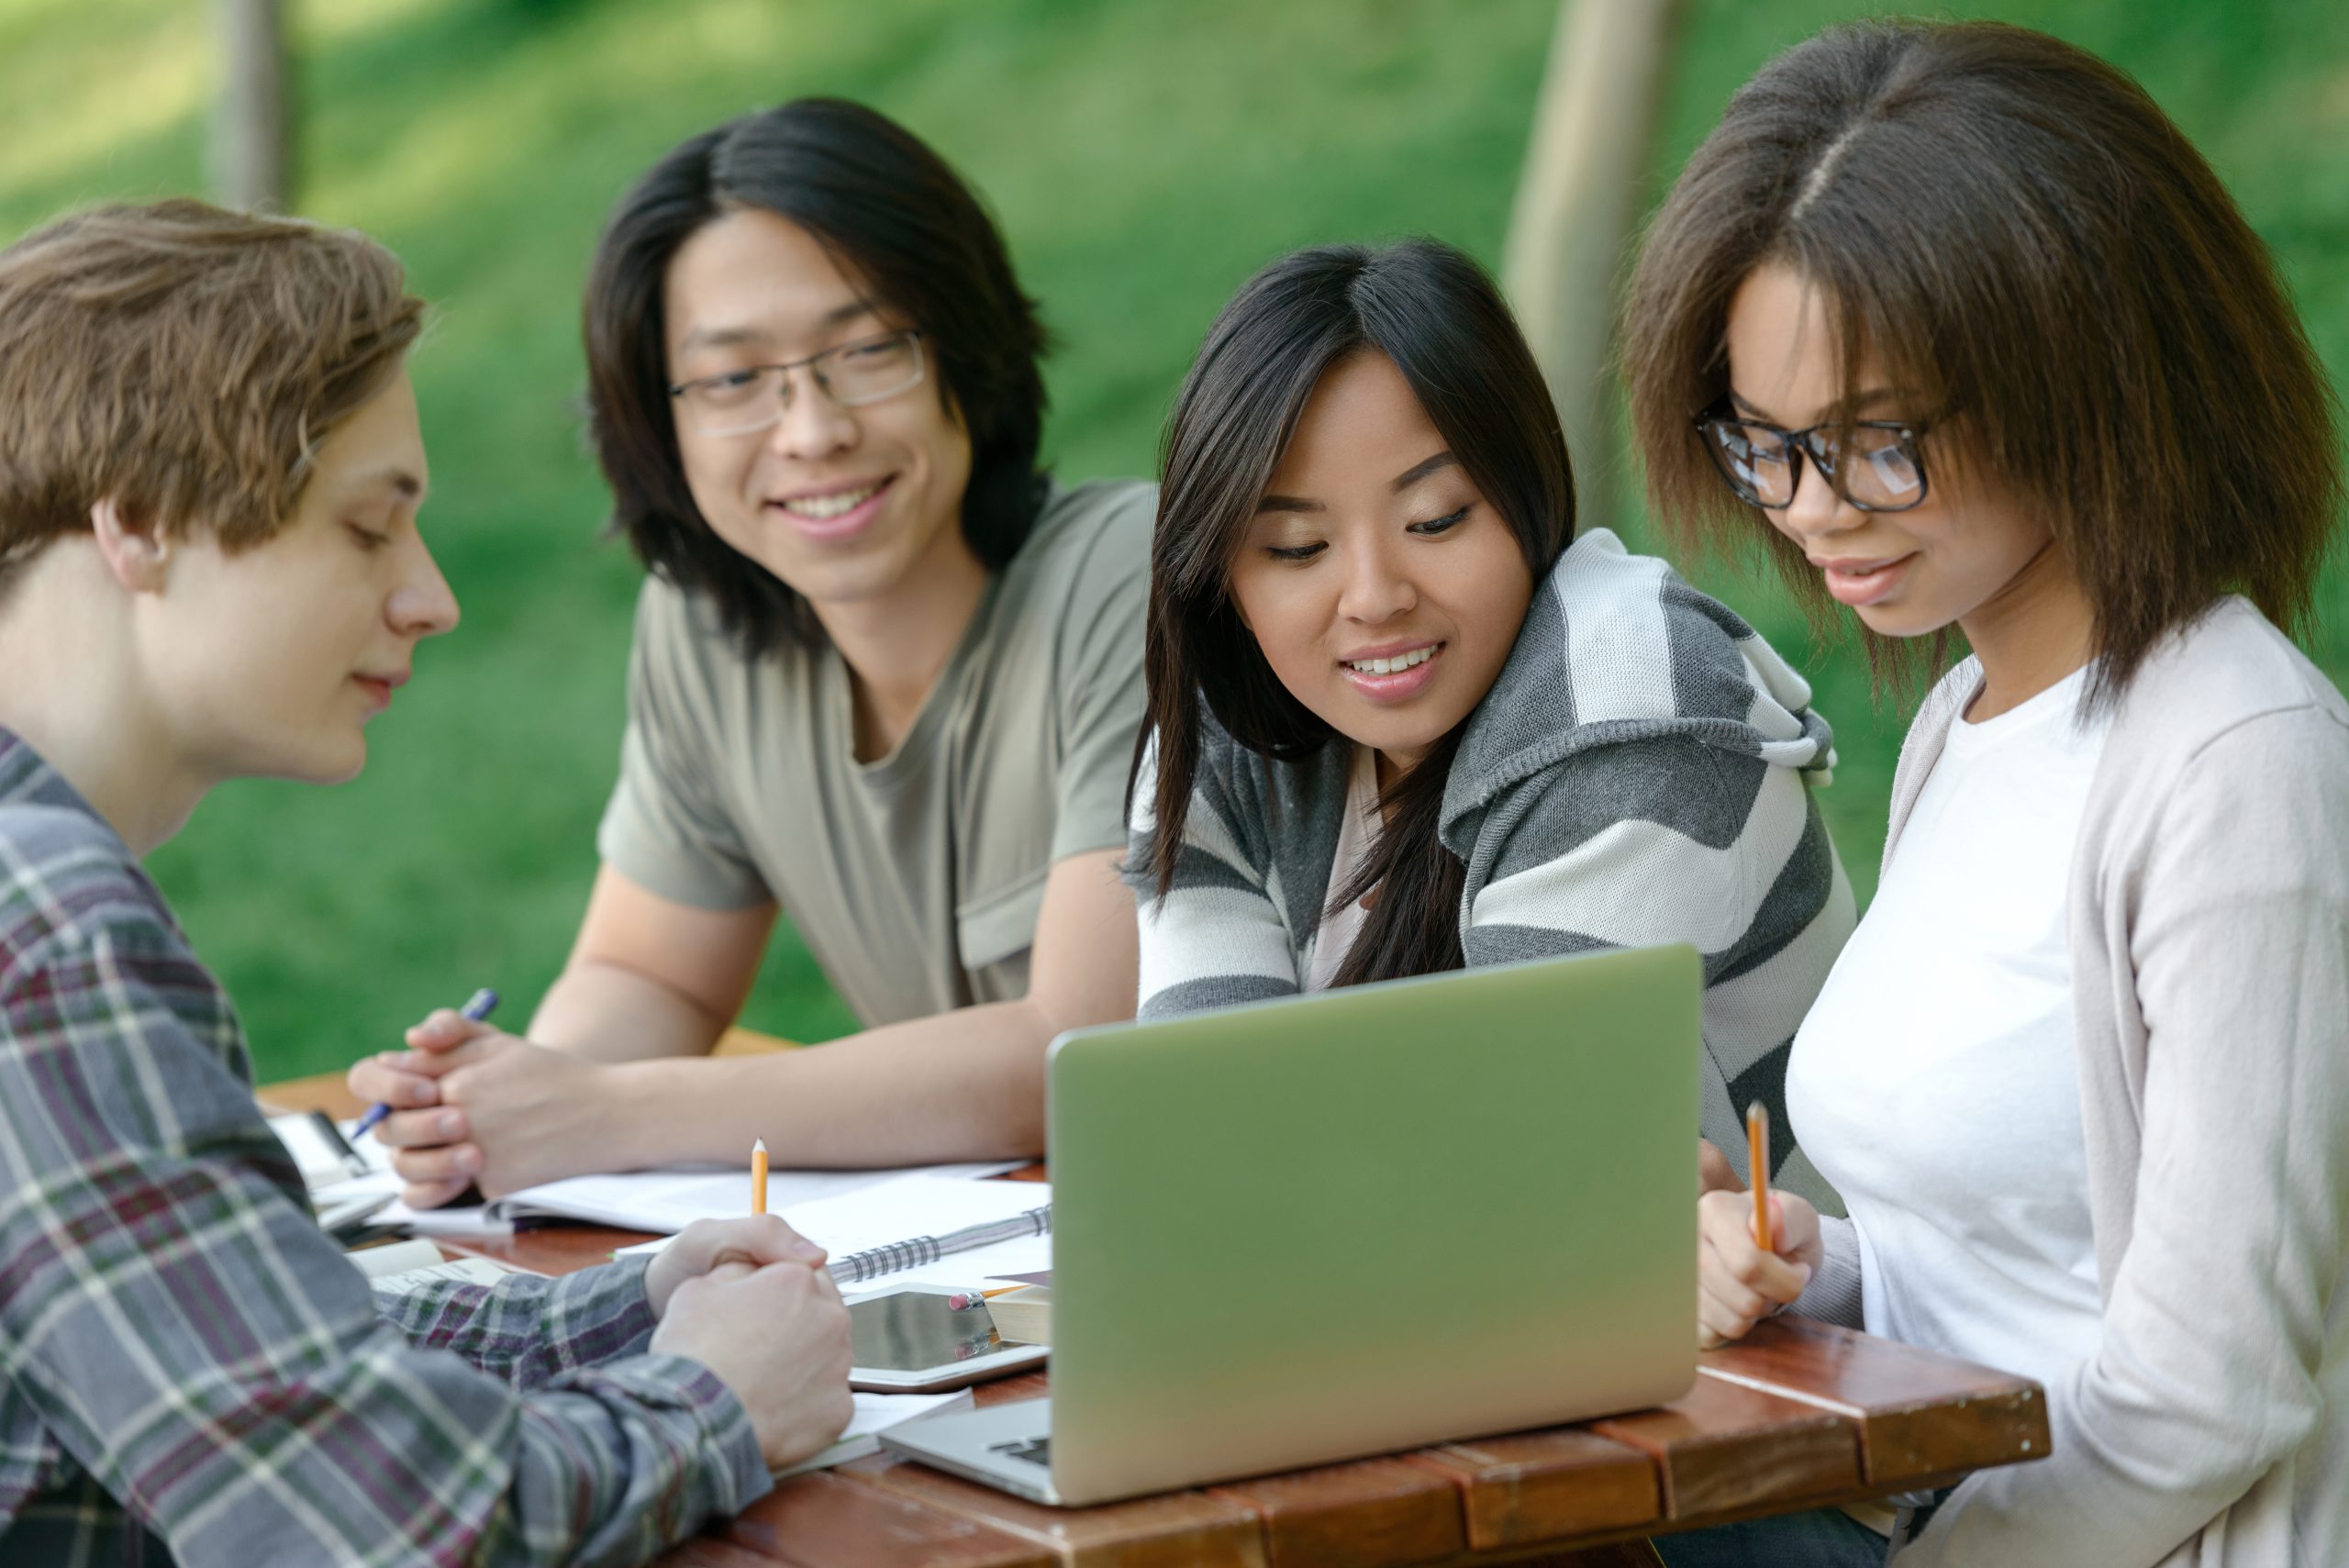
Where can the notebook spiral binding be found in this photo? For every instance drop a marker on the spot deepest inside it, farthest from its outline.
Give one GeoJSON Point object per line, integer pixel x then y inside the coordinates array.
{"type": "Point", "coordinates": [916, 1251]}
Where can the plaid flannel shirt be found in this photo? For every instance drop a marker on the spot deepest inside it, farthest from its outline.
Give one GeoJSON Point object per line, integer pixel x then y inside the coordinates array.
{"type": "Point", "coordinates": [189, 1370]}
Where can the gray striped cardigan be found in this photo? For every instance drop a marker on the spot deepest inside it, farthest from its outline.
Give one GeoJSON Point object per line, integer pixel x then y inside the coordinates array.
{"type": "Point", "coordinates": [1636, 775]}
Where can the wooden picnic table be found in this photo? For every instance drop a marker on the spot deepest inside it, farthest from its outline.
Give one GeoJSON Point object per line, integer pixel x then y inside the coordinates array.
{"type": "Point", "coordinates": [1797, 1415]}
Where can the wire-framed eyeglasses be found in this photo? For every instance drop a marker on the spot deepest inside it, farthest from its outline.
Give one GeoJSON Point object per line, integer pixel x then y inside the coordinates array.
{"type": "Point", "coordinates": [755, 397]}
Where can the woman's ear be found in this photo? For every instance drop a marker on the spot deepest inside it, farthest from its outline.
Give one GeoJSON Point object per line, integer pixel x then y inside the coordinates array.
{"type": "Point", "coordinates": [135, 552]}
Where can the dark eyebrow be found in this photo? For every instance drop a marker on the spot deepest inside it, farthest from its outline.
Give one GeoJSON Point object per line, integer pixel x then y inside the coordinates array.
{"type": "Point", "coordinates": [402, 482]}
{"type": "Point", "coordinates": [1420, 470]}
{"type": "Point", "coordinates": [1400, 483]}
{"type": "Point", "coordinates": [732, 337]}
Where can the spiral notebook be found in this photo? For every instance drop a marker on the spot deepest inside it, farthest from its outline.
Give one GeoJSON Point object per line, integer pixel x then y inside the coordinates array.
{"type": "Point", "coordinates": [891, 1214]}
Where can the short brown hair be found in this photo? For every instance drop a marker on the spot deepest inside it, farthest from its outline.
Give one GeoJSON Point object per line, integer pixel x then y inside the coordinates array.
{"type": "Point", "coordinates": [2013, 228]}
{"type": "Point", "coordinates": [186, 363]}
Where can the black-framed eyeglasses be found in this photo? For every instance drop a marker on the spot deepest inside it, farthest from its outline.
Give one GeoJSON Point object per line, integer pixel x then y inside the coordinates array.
{"type": "Point", "coordinates": [1875, 464]}
{"type": "Point", "coordinates": [754, 397]}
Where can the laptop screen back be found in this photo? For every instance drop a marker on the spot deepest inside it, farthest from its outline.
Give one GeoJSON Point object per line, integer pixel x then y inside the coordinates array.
{"type": "Point", "coordinates": [1373, 1218]}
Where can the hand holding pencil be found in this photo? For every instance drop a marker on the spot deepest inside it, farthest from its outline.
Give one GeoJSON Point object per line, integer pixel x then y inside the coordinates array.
{"type": "Point", "coordinates": [912, 1251]}
{"type": "Point", "coordinates": [1756, 1250]}
{"type": "Point", "coordinates": [749, 1299]}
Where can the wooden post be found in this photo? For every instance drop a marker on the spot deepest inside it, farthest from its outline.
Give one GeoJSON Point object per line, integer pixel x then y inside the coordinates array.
{"type": "Point", "coordinates": [252, 142]}
{"type": "Point", "coordinates": [1594, 134]}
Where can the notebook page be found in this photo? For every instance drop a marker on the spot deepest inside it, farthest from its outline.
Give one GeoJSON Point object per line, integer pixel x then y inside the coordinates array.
{"type": "Point", "coordinates": [672, 1199]}
{"type": "Point", "coordinates": [666, 1200]}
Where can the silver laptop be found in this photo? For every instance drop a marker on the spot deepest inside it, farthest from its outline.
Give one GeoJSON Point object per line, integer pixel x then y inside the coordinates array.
{"type": "Point", "coordinates": [1359, 1221]}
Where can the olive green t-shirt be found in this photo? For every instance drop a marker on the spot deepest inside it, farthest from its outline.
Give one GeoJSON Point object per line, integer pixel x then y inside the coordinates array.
{"type": "Point", "coordinates": [915, 880]}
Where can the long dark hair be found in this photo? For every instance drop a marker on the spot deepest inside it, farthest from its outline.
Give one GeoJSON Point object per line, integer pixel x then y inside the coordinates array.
{"type": "Point", "coordinates": [904, 224]}
{"type": "Point", "coordinates": [1435, 313]}
{"type": "Point", "coordinates": [2012, 228]}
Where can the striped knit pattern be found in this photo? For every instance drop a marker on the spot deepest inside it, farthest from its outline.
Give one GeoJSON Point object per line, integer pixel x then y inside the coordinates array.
{"type": "Point", "coordinates": [189, 1370]}
{"type": "Point", "coordinates": [1637, 775]}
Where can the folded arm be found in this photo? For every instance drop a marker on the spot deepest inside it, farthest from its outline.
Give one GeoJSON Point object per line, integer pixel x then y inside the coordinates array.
{"type": "Point", "coordinates": [965, 1084]}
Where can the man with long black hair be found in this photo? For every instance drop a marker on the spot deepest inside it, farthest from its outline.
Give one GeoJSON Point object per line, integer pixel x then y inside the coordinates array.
{"type": "Point", "coordinates": [888, 676]}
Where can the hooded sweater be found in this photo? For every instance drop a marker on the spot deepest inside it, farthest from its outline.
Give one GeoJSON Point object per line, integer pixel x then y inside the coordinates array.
{"type": "Point", "coordinates": [1639, 774]}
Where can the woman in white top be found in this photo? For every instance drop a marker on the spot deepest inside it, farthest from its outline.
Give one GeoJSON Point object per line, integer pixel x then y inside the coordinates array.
{"type": "Point", "coordinates": [1963, 316]}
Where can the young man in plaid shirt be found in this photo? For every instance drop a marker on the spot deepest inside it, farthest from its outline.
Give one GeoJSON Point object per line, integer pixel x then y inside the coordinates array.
{"type": "Point", "coordinates": [210, 568]}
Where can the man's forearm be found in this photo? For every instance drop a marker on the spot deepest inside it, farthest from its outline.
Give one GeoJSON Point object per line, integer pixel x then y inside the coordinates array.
{"type": "Point", "coordinates": [608, 1012]}
{"type": "Point", "coordinates": [967, 1084]}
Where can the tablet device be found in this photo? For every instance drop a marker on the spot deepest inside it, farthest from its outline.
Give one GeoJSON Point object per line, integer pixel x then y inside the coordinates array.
{"type": "Point", "coordinates": [907, 1340]}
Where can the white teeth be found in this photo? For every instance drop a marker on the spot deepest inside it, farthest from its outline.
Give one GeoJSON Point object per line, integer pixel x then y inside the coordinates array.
{"type": "Point", "coordinates": [1391, 666]}
{"type": "Point", "coordinates": [821, 506]}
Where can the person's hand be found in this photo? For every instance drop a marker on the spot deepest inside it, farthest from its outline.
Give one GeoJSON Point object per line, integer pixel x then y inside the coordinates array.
{"type": "Point", "coordinates": [706, 1244]}
{"type": "Point", "coordinates": [1714, 1173]}
{"type": "Point", "coordinates": [777, 1336]}
{"type": "Point", "coordinates": [494, 1109]}
{"type": "Point", "coordinates": [1739, 1284]}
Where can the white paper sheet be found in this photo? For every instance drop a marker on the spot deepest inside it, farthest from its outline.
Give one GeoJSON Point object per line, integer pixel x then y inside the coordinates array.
{"type": "Point", "coordinates": [875, 1413]}
{"type": "Point", "coordinates": [666, 1200]}
{"type": "Point", "coordinates": [405, 1265]}
{"type": "Point", "coordinates": [464, 1271]}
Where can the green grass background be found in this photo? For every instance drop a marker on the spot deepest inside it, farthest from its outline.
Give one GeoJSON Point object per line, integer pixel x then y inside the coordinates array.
{"type": "Point", "coordinates": [1143, 157]}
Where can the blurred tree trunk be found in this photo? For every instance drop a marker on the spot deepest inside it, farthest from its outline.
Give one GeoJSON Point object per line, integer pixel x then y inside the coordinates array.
{"type": "Point", "coordinates": [252, 135]}
{"type": "Point", "coordinates": [1594, 134]}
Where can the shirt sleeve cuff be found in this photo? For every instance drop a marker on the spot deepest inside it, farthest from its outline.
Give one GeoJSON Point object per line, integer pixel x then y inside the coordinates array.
{"type": "Point", "coordinates": [734, 1469]}
{"type": "Point", "coordinates": [597, 1315]}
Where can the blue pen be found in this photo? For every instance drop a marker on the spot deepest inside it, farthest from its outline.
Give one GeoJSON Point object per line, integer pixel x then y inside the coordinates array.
{"type": "Point", "coordinates": [484, 1000]}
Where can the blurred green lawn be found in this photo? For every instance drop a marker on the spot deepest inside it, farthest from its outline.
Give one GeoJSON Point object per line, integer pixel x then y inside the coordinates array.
{"type": "Point", "coordinates": [1143, 157]}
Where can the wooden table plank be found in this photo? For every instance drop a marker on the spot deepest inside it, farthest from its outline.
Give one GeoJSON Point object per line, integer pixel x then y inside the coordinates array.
{"type": "Point", "coordinates": [1548, 1486]}
{"type": "Point", "coordinates": [1374, 1513]}
{"type": "Point", "coordinates": [546, 1249]}
{"type": "Point", "coordinates": [1919, 1414]}
{"type": "Point", "coordinates": [320, 1091]}
{"type": "Point", "coordinates": [715, 1552]}
{"type": "Point", "coordinates": [822, 1521]}
{"type": "Point", "coordinates": [1178, 1528]}
{"type": "Point", "coordinates": [1011, 1390]}
{"type": "Point", "coordinates": [1721, 1446]}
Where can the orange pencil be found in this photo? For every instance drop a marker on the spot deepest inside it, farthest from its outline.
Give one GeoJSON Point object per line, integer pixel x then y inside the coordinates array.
{"type": "Point", "coordinates": [1757, 1160]}
{"type": "Point", "coordinates": [759, 1176]}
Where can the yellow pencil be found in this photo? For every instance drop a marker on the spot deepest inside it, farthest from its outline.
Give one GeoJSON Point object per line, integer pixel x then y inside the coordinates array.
{"type": "Point", "coordinates": [759, 1176]}
{"type": "Point", "coordinates": [1757, 1160]}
